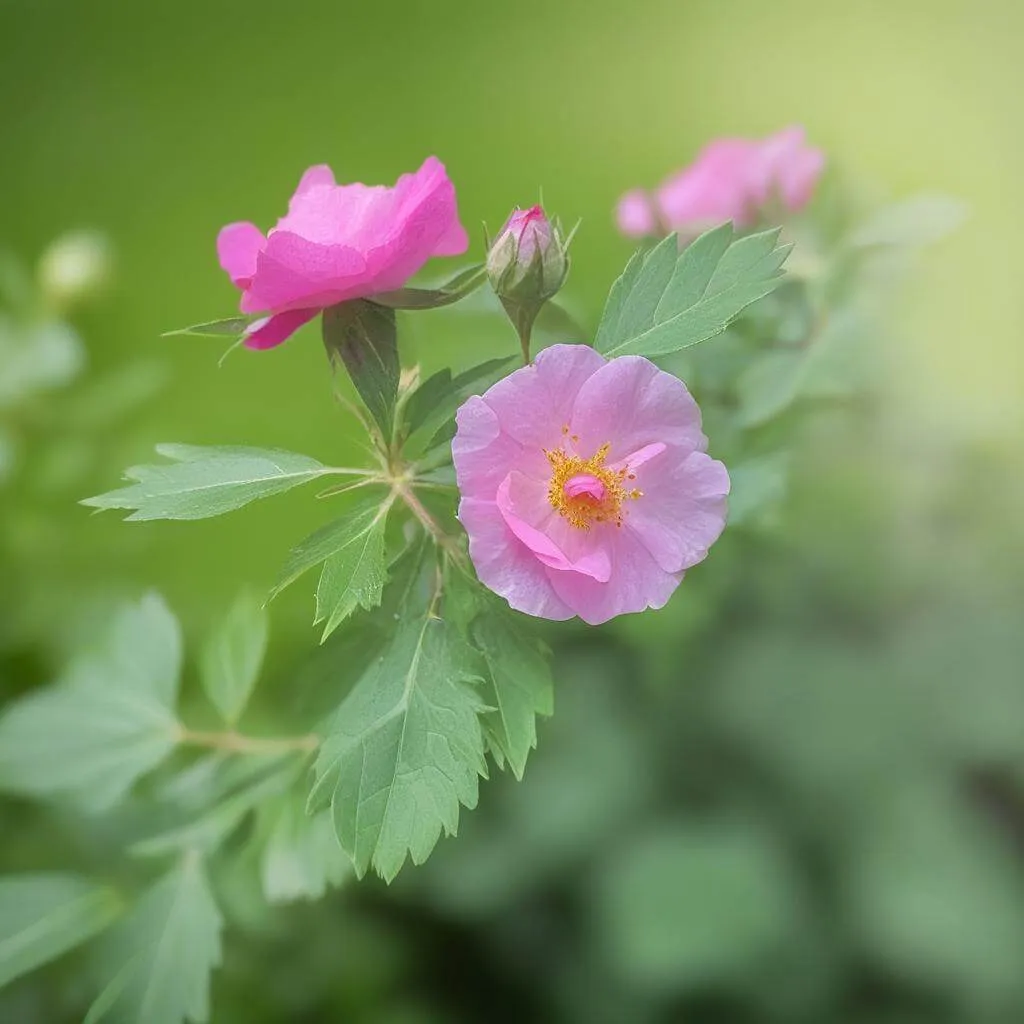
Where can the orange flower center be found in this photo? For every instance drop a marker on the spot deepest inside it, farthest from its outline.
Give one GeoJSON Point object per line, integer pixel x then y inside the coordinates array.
{"type": "Point", "coordinates": [586, 491]}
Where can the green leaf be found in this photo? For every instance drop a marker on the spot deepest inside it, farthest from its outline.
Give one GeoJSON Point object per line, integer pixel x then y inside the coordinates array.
{"type": "Point", "coordinates": [914, 222]}
{"type": "Point", "coordinates": [518, 686]}
{"type": "Point", "coordinates": [438, 398]}
{"type": "Point", "coordinates": [44, 915]}
{"type": "Point", "coordinates": [555, 324]}
{"type": "Point", "coordinates": [301, 857]}
{"type": "Point", "coordinates": [363, 336]}
{"type": "Point", "coordinates": [404, 750]}
{"type": "Point", "coordinates": [666, 301]}
{"type": "Point", "coordinates": [354, 564]}
{"type": "Point", "coordinates": [231, 326]}
{"type": "Point", "coordinates": [257, 778]}
{"type": "Point", "coordinates": [758, 486]}
{"type": "Point", "coordinates": [233, 656]}
{"type": "Point", "coordinates": [769, 385]}
{"type": "Point", "coordinates": [109, 721]}
{"type": "Point", "coordinates": [201, 482]}
{"type": "Point", "coordinates": [162, 954]}
{"type": "Point", "coordinates": [457, 288]}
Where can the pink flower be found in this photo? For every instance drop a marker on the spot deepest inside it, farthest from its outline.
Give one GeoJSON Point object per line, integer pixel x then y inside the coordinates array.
{"type": "Point", "coordinates": [510, 262]}
{"type": "Point", "coordinates": [635, 215]}
{"type": "Point", "coordinates": [585, 486]}
{"type": "Point", "coordinates": [732, 179]}
{"type": "Point", "coordinates": [339, 242]}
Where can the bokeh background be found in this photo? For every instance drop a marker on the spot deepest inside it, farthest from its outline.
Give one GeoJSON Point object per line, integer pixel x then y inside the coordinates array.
{"type": "Point", "coordinates": [797, 793]}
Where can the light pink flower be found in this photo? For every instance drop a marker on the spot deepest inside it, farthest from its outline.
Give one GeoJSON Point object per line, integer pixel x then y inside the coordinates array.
{"type": "Point", "coordinates": [585, 485]}
{"type": "Point", "coordinates": [736, 180]}
{"type": "Point", "coordinates": [339, 242]}
{"type": "Point", "coordinates": [635, 215]}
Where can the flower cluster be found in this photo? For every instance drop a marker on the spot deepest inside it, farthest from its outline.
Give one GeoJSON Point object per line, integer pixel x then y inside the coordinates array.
{"type": "Point", "coordinates": [732, 179]}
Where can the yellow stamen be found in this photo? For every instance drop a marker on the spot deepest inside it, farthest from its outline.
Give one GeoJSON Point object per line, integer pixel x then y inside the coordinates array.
{"type": "Point", "coordinates": [583, 509]}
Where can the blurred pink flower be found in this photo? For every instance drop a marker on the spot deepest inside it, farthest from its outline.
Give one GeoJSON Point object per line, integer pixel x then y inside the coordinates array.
{"type": "Point", "coordinates": [339, 242]}
{"type": "Point", "coordinates": [585, 485]}
{"type": "Point", "coordinates": [635, 215]}
{"type": "Point", "coordinates": [732, 179]}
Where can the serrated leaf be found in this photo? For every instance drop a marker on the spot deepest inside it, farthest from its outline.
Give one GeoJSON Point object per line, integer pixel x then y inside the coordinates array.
{"type": "Point", "coordinates": [161, 956]}
{"type": "Point", "coordinates": [918, 221]}
{"type": "Point", "coordinates": [363, 336]}
{"type": "Point", "coordinates": [354, 564]}
{"type": "Point", "coordinates": [200, 482]}
{"type": "Point", "coordinates": [404, 750]}
{"type": "Point", "coordinates": [666, 301]}
{"type": "Point", "coordinates": [451, 291]}
{"type": "Point", "coordinates": [110, 720]}
{"type": "Point", "coordinates": [518, 686]}
{"type": "Point", "coordinates": [233, 656]}
{"type": "Point", "coordinates": [301, 857]}
{"type": "Point", "coordinates": [230, 326]}
{"type": "Point", "coordinates": [44, 915]}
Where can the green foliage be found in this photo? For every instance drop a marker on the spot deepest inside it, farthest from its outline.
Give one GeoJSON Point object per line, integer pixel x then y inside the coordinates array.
{"type": "Point", "coordinates": [160, 957]}
{"type": "Point", "coordinates": [45, 915]}
{"type": "Point", "coordinates": [689, 905]}
{"type": "Point", "coordinates": [301, 857]}
{"type": "Point", "coordinates": [518, 686]}
{"type": "Point", "coordinates": [666, 300]}
{"type": "Point", "coordinates": [232, 326]}
{"type": "Point", "coordinates": [435, 402]}
{"type": "Point", "coordinates": [454, 290]}
{"type": "Point", "coordinates": [36, 357]}
{"type": "Point", "coordinates": [920, 220]}
{"type": "Point", "coordinates": [363, 336]}
{"type": "Point", "coordinates": [404, 748]}
{"type": "Point", "coordinates": [111, 716]}
{"type": "Point", "coordinates": [201, 482]}
{"type": "Point", "coordinates": [233, 657]}
{"type": "Point", "coordinates": [354, 563]}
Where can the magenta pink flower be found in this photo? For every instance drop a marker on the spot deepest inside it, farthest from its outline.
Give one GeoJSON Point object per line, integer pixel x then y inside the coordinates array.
{"type": "Point", "coordinates": [737, 180]}
{"type": "Point", "coordinates": [635, 214]}
{"type": "Point", "coordinates": [339, 242]}
{"type": "Point", "coordinates": [586, 489]}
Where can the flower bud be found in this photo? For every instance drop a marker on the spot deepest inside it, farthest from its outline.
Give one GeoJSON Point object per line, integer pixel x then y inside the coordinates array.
{"type": "Point", "coordinates": [527, 265]}
{"type": "Point", "coordinates": [527, 260]}
{"type": "Point", "coordinates": [74, 267]}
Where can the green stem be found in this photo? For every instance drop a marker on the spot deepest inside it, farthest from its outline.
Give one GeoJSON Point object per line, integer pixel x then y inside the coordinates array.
{"type": "Point", "coordinates": [236, 743]}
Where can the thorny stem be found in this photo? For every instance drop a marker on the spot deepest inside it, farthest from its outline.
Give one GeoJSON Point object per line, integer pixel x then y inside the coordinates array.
{"type": "Point", "coordinates": [236, 743]}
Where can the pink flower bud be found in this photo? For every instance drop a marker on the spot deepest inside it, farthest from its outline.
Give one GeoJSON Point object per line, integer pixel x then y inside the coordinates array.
{"type": "Point", "coordinates": [527, 261]}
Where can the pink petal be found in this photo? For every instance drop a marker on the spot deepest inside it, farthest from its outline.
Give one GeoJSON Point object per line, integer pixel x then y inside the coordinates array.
{"type": "Point", "coordinates": [505, 565]}
{"type": "Point", "coordinates": [713, 189]}
{"type": "Point", "coordinates": [637, 582]}
{"type": "Point", "coordinates": [682, 510]}
{"type": "Point", "coordinates": [294, 273]}
{"type": "Point", "coordinates": [317, 176]}
{"type": "Point", "coordinates": [635, 215]}
{"type": "Point", "coordinates": [521, 500]}
{"type": "Point", "coordinates": [272, 330]}
{"type": "Point", "coordinates": [534, 403]}
{"type": "Point", "coordinates": [484, 455]}
{"type": "Point", "coordinates": [238, 246]}
{"type": "Point", "coordinates": [630, 403]}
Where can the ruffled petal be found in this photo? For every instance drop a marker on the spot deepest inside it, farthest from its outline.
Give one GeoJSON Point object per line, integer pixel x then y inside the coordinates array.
{"type": "Point", "coordinates": [637, 582]}
{"type": "Point", "coordinates": [505, 565]}
{"type": "Point", "coordinates": [682, 510]}
{"type": "Point", "coordinates": [535, 403]}
{"type": "Point", "coordinates": [238, 246]}
{"type": "Point", "coordinates": [630, 403]}
{"type": "Point", "coordinates": [272, 330]}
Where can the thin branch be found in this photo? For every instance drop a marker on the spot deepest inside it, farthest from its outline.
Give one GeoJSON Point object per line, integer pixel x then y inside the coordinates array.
{"type": "Point", "coordinates": [237, 743]}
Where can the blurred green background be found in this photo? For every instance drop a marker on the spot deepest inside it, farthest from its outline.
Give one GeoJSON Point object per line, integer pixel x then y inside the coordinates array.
{"type": "Point", "coordinates": [796, 794]}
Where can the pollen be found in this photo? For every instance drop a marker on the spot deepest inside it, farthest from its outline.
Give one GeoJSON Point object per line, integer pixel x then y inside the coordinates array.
{"type": "Point", "coordinates": [585, 491]}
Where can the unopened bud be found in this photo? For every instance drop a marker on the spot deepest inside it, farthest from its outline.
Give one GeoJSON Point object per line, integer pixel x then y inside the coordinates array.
{"type": "Point", "coordinates": [74, 267]}
{"type": "Point", "coordinates": [527, 265]}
